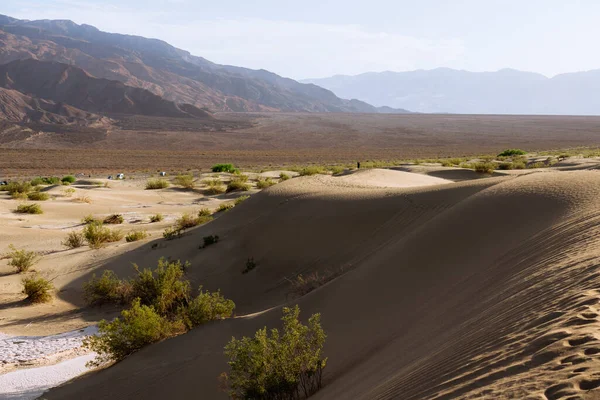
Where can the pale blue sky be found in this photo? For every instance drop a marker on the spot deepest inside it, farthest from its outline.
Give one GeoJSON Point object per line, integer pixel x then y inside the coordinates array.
{"type": "Point", "coordinates": [318, 38]}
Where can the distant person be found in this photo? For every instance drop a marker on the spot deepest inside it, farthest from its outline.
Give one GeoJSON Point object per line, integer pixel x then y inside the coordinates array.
{"type": "Point", "coordinates": [358, 165]}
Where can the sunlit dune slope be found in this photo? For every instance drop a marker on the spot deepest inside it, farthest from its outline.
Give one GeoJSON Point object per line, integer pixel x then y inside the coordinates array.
{"type": "Point", "coordinates": [484, 289]}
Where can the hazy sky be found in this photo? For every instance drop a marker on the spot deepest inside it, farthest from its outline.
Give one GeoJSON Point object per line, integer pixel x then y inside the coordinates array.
{"type": "Point", "coordinates": [318, 38]}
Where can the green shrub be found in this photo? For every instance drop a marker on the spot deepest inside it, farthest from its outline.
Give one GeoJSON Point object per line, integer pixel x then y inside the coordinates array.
{"type": "Point", "coordinates": [185, 181]}
{"type": "Point", "coordinates": [223, 168]}
{"type": "Point", "coordinates": [536, 165]}
{"type": "Point", "coordinates": [163, 288]}
{"type": "Point", "coordinates": [512, 152]}
{"type": "Point", "coordinates": [312, 170]}
{"type": "Point", "coordinates": [32, 208]}
{"type": "Point", "coordinates": [114, 219]}
{"type": "Point", "coordinates": [22, 259]}
{"type": "Point", "coordinates": [37, 289]}
{"type": "Point", "coordinates": [68, 192]}
{"type": "Point", "coordinates": [73, 240]}
{"type": "Point", "coordinates": [484, 167]}
{"type": "Point", "coordinates": [69, 179]}
{"type": "Point", "coordinates": [38, 196]}
{"type": "Point", "coordinates": [238, 183]}
{"type": "Point", "coordinates": [206, 307]}
{"type": "Point", "coordinates": [505, 166]}
{"type": "Point", "coordinates": [108, 289]}
{"type": "Point", "coordinates": [187, 221]}
{"type": "Point", "coordinates": [153, 184]}
{"type": "Point", "coordinates": [284, 177]}
{"type": "Point", "coordinates": [265, 183]}
{"type": "Point", "coordinates": [139, 326]}
{"type": "Point", "coordinates": [518, 165]}
{"type": "Point", "coordinates": [287, 365]}
{"type": "Point", "coordinates": [49, 180]}
{"type": "Point", "coordinates": [204, 212]}
{"type": "Point", "coordinates": [208, 240]}
{"type": "Point", "coordinates": [172, 232]}
{"type": "Point", "coordinates": [214, 186]}
{"type": "Point", "coordinates": [37, 182]}
{"type": "Point", "coordinates": [90, 219]}
{"type": "Point", "coordinates": [240, 200]}
{"type": "Point", "coordinates": [136, 235]}
{"type": "Point", "coordinates": [18, 187]}
{"type": "Point", "coordinates": [96, 235]}
{"type": "Point", "coordinates": [250, 265]}
{"type": "Point", "coordinates": [225, 207]}
{"type": "Point", "coordinates": [156, 218]}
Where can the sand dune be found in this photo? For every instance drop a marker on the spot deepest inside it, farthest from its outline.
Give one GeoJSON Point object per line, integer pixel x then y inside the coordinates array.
{"type": "Point", "coordinates": [482, 289]}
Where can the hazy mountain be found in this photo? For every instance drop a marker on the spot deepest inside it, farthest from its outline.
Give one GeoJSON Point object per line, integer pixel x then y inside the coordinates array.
{"type": "Point", "coordinates": [164, 70]}
{"type": "Point", "coordinates": [446, 90]}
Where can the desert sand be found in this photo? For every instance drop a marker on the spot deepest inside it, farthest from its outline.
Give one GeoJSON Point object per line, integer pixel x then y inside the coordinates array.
{"type": "Point", "coordinates": [474, 288]}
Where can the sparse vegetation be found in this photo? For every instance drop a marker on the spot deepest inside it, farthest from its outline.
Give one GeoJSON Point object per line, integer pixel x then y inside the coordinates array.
{"type": "Point", "coordinates": [97, 235]}
{"type": "Point", "coordinates": [284, 177]}
{"type": "Point", "coordinates": [204, 212]}
{"type": "Point", "coordinates": [224, 168]}
{"type": "Point", "coordinates": [156, 218]}
{"type": "Point", "coordinates": [518, 165]}
{"type": "Point", "coordinates": [225, 207]}
{"type": "Point", "coordinates": [114, 219]}
{"type": "Point", "coordinates": [240, 200]}
{"type": "Point", "coordinates": [250, 265]}
{"type": "Point", "coordinates": [484, 167]}
{"type": "Point", "coordinates": [38, 196]}
{"type": "Point", "coordinates": [265, 183]}
{"type": "Point", "coordinates": [185, 181]}
{"type": "Point", "coordinates": [312, 170]}
{"type": "Point", "coordinates": [172, 232]}
{"type": "Point", "coordinates": [512, 152]}
{"type": "Point", "coordinates": [68, 180]}
{"type": "Point", "coordinates": [161, 305]}
{"type": "Point", "coordinates": [74, 240]}
{"type": "Point", "coordinates": [187, 221]}
{"type": "Point", "coordinates": [277, 366]}
{"type": "Point", "coordinates": [136, 235]}
{"type": "Point", "coordinates": [37, 289]}
{"type": "Point", "coordinates": [302, 285]}
{"type": "Point", "coordinates": [16, 188]}
{"type": "Point", "coordinates": [153, 184]}
{"type": "Point", "coordinates": [22, 259]}
{"type": "Point", "coordinates": [83, 199]}
{"type": "Point", "coordinates": [32, 208]}
{"type": "Point", "coordinates": [90, 219]}
{"type": "Point", "coordinates": [536, 165]}
{"type": "Point", "coordinates": [48, 180]}
{"type": "Point", "coordinates": [214, 186]}
{"type": "Point", "coordinates": [68, 192]}
{"type": "Point", "coordinates": [238, 183]}
{"type": "Point", "coordinates": [336, 169]}
{"type": "Point", "coordinates": [505, 166]}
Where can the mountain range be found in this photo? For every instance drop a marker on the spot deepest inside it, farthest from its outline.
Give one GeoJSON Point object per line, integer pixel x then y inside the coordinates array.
{"type": "Point", "coordinates": [445, 90]}
{"type": "Point", "coordinates": [59, 71]}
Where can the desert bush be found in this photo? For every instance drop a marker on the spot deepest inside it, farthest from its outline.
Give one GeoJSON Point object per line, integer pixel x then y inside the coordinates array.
{"type": "Point", "coordinates": [278, 366]}
{"type": "Point", "coordinates": [83, 199]}
{"type": "Point", "coordinates": [512, 152]}
{"type": "Point", "coordinates": [208, 240]}
{"type": "Point", "coordinates": [536, 165]}
{"type": "Point", "coordinates": [312, 170]}
{"type": "Point", "coordinates": [186, 221]}
{"type": "Point", "coordinates": [68, 192]}
{"type": "Point", "coordinates": [238, 183]}
{"type": "Point", "coordinates": [136, 235]}
{"type": "Point", "coordinates": [484, 167]}
{"type": "Point", "coordinates": [18, 188]}
{"type": "Point", "coordinates": [69, 179]}
{"type": "Point", "coordinates": [250, 265]}
{"type": "Point", "coordinates": [284, 177]}
{"type": "Point", "coordinates": [225, 207]}
{"type": "Point", "coordinates": [73, 240]}
{"type": "Point", "coordinates": [240, 200]}
{"type": "Point", "coordinates": [108, 289]}
{"type": "Point", "coordinates": [505, 166]}
{"type": "Point", "coordinates": [51, 180]}
{"type": "Point", "coordinates": [156, 218]}
{"type": "Point", "coordinates": [37, 289]}
{"type": "Point", "coordinates": [265, 183]}
{"type": "Point", "coordinates": [518, 165]}
{"type": "Point", "coordinates": [223, 168]}
{"type": "Point", "coordinates": [172, 232]}
{"type": "Point", "coordinates": [215, 186]}
{"type": "Point", "coordinates": [114, 219]}
{"type": "Point", "coordinates": [302, 285]}
{"type": "Point", "coordinates": [37, 182]}
{"type": "Point", "coordinates": [204, 212]}
{"type": "Point", "coordinates": [32, 208]}
{"type": "Point", "coordinates": [38, 196]}
{"type": "Point", "coordinates": [22, 259]}
{"type": "Point", "coordinates": [90, 219]}
{"type": "Point", "coordinates": [153, 184]}
{"type": "Point", "coordinates": [185, 181]}
{"type": "Point", "coordinates": [97, 235]}
{"type": "Point", "coordinates": [137, 327]}
{"type": "Point", "coordinates": [206, 307]}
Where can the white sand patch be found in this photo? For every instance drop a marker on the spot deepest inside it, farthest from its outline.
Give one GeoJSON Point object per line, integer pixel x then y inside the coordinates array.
{"type": "Point", "coordinates": [21, 349]}
{"type": "Point", "coordinates": [30, 383]}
